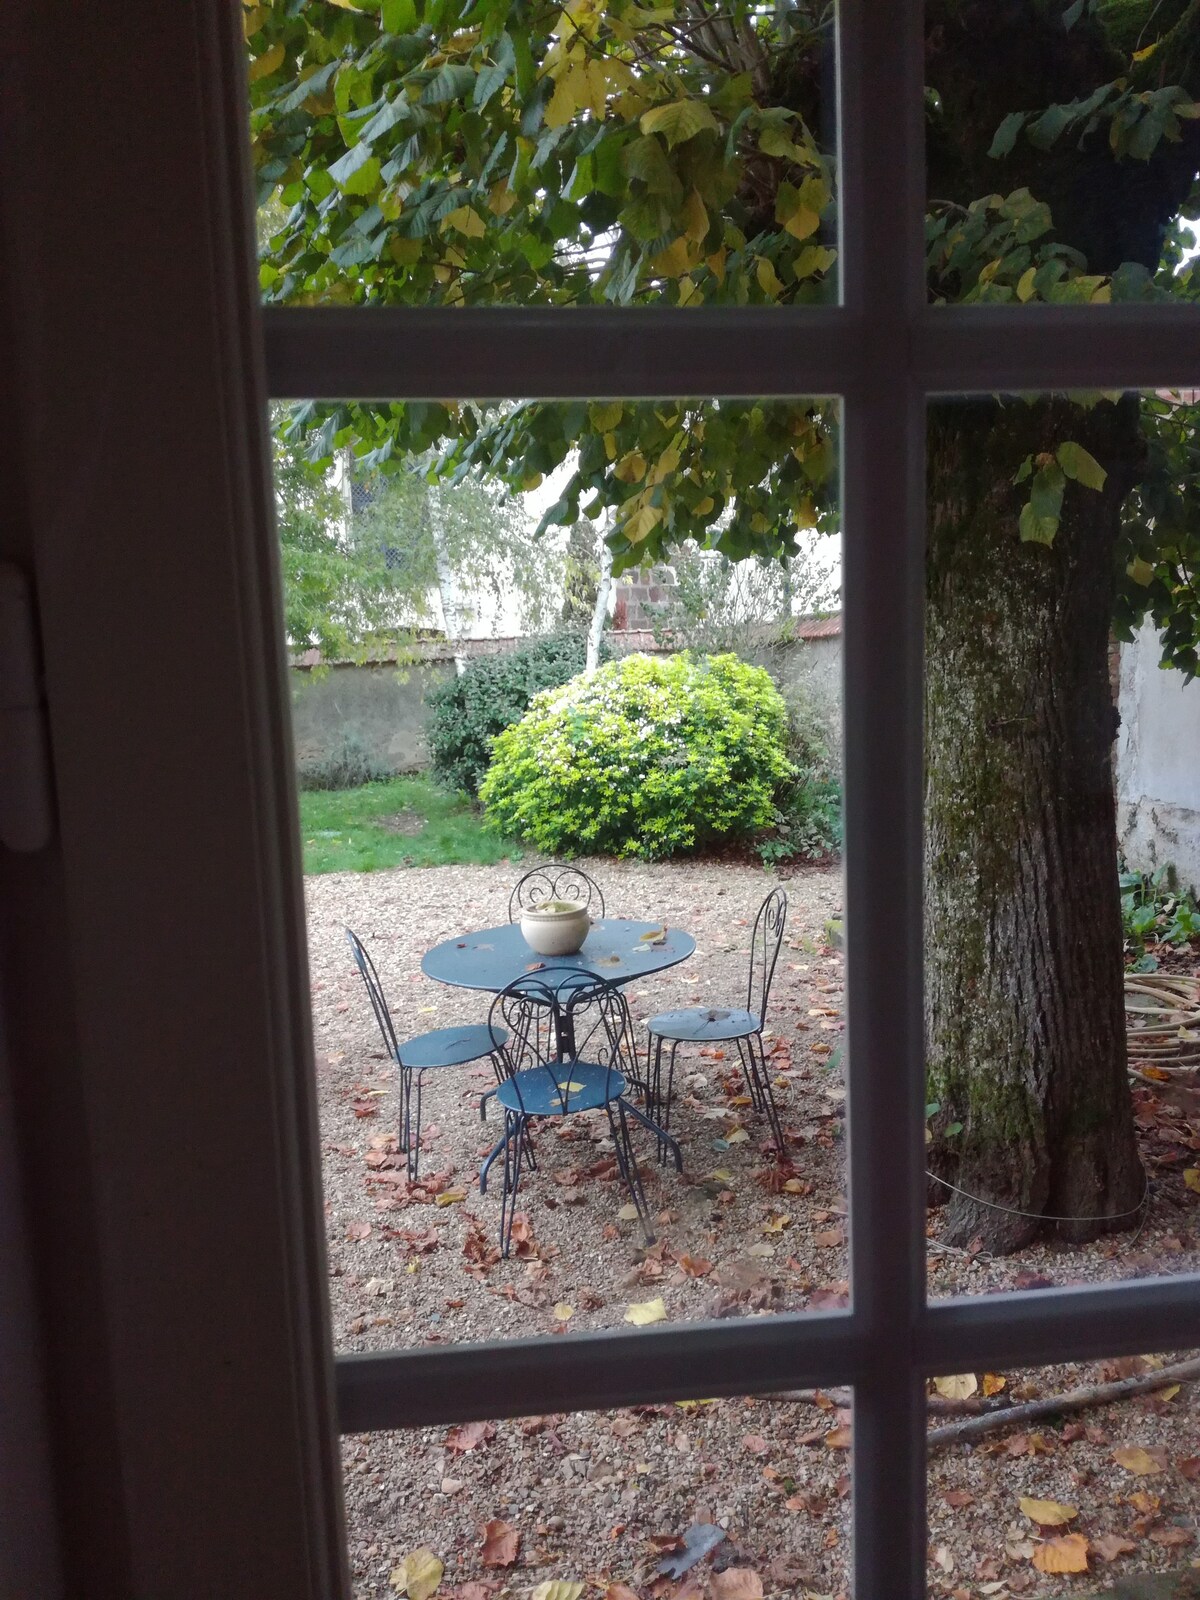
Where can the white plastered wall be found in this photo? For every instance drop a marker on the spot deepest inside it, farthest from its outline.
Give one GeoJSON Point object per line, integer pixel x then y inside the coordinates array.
{"type": "Point", "coordinates": [1158, 762]}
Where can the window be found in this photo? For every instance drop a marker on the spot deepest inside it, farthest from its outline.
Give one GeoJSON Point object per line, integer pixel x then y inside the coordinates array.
{"type": "Point", "coordinates": [886, 354]}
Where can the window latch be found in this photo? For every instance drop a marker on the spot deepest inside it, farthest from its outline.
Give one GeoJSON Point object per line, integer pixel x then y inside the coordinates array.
{"type": "Point", "coordinates": [26, 806]}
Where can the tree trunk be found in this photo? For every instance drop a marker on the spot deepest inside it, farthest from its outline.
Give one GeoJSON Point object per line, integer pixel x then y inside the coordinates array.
{"type": "Point", "coordinates": [1024, 1018]}
{"type": "Point", "coordinates": [600, 609]}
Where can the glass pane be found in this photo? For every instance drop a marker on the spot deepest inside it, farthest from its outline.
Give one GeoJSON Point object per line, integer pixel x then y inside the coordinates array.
{"type": "Point", "coordinates": [1045, 1478]}
{"type": "Point", "coordinates": [1062, 852]}
{"type": "Point", "coordinates": [693, 781]}
{"type": "Point", "coordinates": [727, 1499]}
{"type": "Point", "coordinates": [1062, 150]}
{"type": "Point", "coordinates": [419, 152]}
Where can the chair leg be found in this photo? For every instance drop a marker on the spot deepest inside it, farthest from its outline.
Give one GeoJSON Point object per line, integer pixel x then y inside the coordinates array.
{"type": "Point", "coordinates": [767, 1094]}
{"type": "Point", "coordinates": [663, 1108]}
{"type": "Point", "coordinates": [654, 1050]}
{"type": "Point", "coordinates": [404, 1126]}
{"type": "Point", "coordinates": [496, 1149]}
{"type": "Point", "coordinates": [514, 1139]}
{"type": "Point", "coordinates": [627, 1162]}
{"type": "Point", "coordinates": [750, 1073]}
{"type": "Point", "coordinates": [665, 1141]}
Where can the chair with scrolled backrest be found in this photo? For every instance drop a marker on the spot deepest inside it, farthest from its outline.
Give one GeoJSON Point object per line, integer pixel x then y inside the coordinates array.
{"type": "Point", "coordinates": [706, 1025]}
{"type": "Point", "coordinates": [425, 1052]}
{"type": "Point", "coordinates": [532, 1014]}
{"type": "Point", "coordinates": [555, 880]}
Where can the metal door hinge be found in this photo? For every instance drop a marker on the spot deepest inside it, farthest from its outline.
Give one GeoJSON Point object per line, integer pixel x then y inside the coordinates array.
{"type": "Point", "coordinates": [26, 803]}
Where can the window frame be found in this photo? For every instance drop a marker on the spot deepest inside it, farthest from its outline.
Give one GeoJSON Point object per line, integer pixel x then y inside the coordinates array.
{"type": "Point", "coordinates": [886, 353]}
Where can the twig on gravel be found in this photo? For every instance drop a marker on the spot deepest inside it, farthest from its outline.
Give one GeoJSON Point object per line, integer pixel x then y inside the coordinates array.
{"type": "Point", "coordinates": [1092, 1394]}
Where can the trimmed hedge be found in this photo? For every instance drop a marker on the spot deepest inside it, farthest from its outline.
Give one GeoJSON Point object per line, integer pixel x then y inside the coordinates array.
{"type": "Point", "coordinates": [650, 756]}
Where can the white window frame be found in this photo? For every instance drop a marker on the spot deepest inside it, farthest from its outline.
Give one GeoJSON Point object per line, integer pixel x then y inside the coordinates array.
{"type": "Point", "coordinates": [885, 352]}
{"type": "Point", "coordinates": [197, 1403]}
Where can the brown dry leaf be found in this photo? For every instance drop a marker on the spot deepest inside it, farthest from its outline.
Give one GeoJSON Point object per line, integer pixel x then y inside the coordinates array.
{"type": "Point", "coordinates": [756, 1444]}
{"type": "Point", "coordinates": [737, 1583]}
{"type": "Point", "coordinates": [501, 1543]}
{"type": "Point", "coordinates": [470, 1435]}
{"type": "Point", "coordinates": [418, 1575]}
{"type": "Point", "coordinates": [960, 1386]}
{"type": "Point", "coordinates": [993, 1382]}
{"type": "Point", "coordinates": [474, 1590]}
{"type": "Point", "coordinates": [620, 1591]}
{"type": "Point", "coordinates": [1142, 1463]}
{"type": "Point", "coordinates": [1111, 1545]}
{"type": "Point", "coordinates": [829, 1239]}
{"type": "Point", "coordinates": [359, 1230]}
{"type": "Point", "coordinates": [1069, 1553]}
{"type": "Point", "coordinates": [1190, 1467]}
{"type": "Point", "coordinates": [959, 1497]}
{"type": "Point", "coordinates": [1047, 1513]}
{"type": "Point", "coordinates": [694, 1266]}
{"type": "Point", "coordinates": [838, 1439]}
{"type": "Point", "coordinates": [1170, 1536]}
{"type": "Point", "coordinates": [1147, 1504]}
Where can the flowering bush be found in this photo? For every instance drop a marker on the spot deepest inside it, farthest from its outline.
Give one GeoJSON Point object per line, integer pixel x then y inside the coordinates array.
{"type": "Point", "coordinates": [647, 757]}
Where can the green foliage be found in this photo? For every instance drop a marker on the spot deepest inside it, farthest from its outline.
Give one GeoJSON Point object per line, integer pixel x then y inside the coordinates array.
{"type": "Point", "coordinates": [466, 713]}
{"type": "Point", "coordinates": [649, 756]}
{"type": "Point", "coordinates": [405, 822]}
{"type": "Point", "coordinates": [348, 766]}
{"type": "Point", "coordinates": [1155, 910]}
{"type": "Point", "coordinates": [808, 822]}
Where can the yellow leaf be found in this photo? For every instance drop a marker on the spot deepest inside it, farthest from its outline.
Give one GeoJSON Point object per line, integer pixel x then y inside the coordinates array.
{"type": "Point", "coordinates": [993, 1383]}
{"type": "Point", "coordinates": [777, 1224]}
{"type": "Point", "coordinates": [1136, 1460]}
{"type": "Point", "coordinates": [674, 261]}
{"type": "Point", "coordinates": [1168, 1393]}
{"type": "Point", "coordinates": [838, 1439]}
{"type": "Point", "coordinates": [631, 468]}
{"type": "Point", "coordinates": [643, 1312]}
{"type": "Point", "coordinates": [958, 1387]}
{"type": "Point", "coordinates": [607, 415]}
{"type": "Point", "coordinates": [694, 217]}
{"type": "Point", "coordinates": [1066, 1554]}
{"type": "Point", "coordinates": [556, 1589]}
{"type": "Point", "coordinates": [628, 1213]}
{"type": "Point", "coordinates": [1101, 296]}
{"type": "Point", "coordinates": [501, 200]}
{"type": "Point", "coordinates": [1047, 1513]}
{"type": "Point", "coordinates": [716, 263]}
{"type": "Point", "coordinates": [1025, 284]}
{"type": "Point", "coordinates": [466, 221]}
{"type": "Point", "coordinates": [1191, 1176]}
{"type": "Point", "coordinates": [738, 1136]}
{"type": "Point", "coordinates": [418, 1575]}
{"type": "Point", "coordinates": [1142, 572]}
{"type": "Point", "coordinates": [1141, 55]}
{"type": "Point", "coordinates": [768, 278]}
{"type": "Point", "coordinates": [264, 65]}
{"type": "Point", "coordinates": [642, 524]}
{"type": "Point", "coordinates": [450, 1197]}
{"type": "Point", "coordinates": [665, 465]}
{"type": "Point", "coordinates": [564, 102]}
{"type": "Point", "coordinates": [794, 1186]}
{"type": "Point", "coordinates": [596, 76]}
{"type": "Point", "coordinates": [703, 507]}
{"type": "Point", "coordinates": [802, 222]}
{"type": "Point", "coordinates": [679, 121]}
{"type": "Point", "coordinates": [563, 1312]}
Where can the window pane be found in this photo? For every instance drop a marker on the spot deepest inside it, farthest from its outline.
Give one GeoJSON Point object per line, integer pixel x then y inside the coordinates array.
{"type": "Point", "coordinates": [1062, 149]}
{"type": "Point", "coordinates": [694, 780]}
{"type": "Point", "coordinates": [1044, 1477]}
{"type": "Point", "coordinates": [1062, 855]}
{"type": "Point", "coordinates": [446, 154]}
{"type": "Point", "coordinates": [613, 1498]}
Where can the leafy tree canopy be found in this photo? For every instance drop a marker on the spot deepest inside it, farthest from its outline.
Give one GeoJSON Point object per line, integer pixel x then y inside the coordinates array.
{"type": "Point", "coordinates": [453, 152]}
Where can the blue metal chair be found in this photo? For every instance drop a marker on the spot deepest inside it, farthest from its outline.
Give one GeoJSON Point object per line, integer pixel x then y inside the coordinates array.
{"type": "Point", "coordinates": [525, 1023]}
{"type": "Point", "coordinates": [555, 880]}
{"type": "Point", "coordinates": [742, 1026]}
{"type": "Point", "coordinates": [427, 1052]}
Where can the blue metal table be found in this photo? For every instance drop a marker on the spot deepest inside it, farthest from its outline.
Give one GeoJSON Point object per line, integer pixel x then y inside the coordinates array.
{"type": "Point", "coordinates": [616, 949]}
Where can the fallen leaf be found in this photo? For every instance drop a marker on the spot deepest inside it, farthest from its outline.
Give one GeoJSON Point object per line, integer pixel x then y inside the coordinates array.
{"type": "Point", "coordinates": [694, 1266]}
{"type": "Point", "coordinates": [960, 1386]}
{"type": "Point", "coordinates": [469, 1436]}
{"type": "Point", "coordinates": [959, 1497]}
{"type": "Point", "coordinates": [1189, 1466]}
{"type": "Point", "coordinates": [628, 1213]}
{"type": "Point", "coordinates": [993, 1382]}
{"type": "Point", "coordinates": [777, 1224]}
{"type": "Point", "coordinates": [1191, 1176]}
{"type": "Point", "coordinates": [450, 1197]}
{"type": "Point", "coordinates": [500, 1544]}
{"type": "Point", "coordinates": [474, 1590]}
{"type": "Point", "coordinates": [737, 1583]}
{"type": "Point", "coordinates": [563, 1312]}
{"type": "Point", "coordinates": [1142, 1463]}
{"type": "Point", "coordinates": [1069, 1553]}
{"type": "Point", "coordinates": [1047, 1513]}
{"type": "Point", "coordinates": [418, 1575]}
{"type": "Point", "coordinates": [620, 1591]}
{"type": "Point", "coordinates": [738, 1136]}
{"type": "Point", "coordinates": [829, 1239]}
{"type": "Point", "coordinates": [556, 1589]}
{"type": "Point", "coordinates": [643, 1312]}
{"type": "Point", "coordinates": [761, 1250]}
{"type": "Point", "coordinates": [683, 1554]}
{"type": "Point", "coordinates": [838, 1439]}
{"type": "Point", "coordinates": [756, 1444]}
{"type": "Point", "coordinates": [1111, 1545]}
{"type": "Point", "coordinates": [1170, 1536]}
{"type": "Point", "coordinates": [359, 1230]}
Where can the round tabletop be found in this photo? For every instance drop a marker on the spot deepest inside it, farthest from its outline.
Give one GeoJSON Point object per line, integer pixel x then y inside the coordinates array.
{"type": "Point", "coordinates": [615, 949]}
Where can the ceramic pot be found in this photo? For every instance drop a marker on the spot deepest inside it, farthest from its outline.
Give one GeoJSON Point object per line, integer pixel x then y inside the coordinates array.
{"type": "Point", "coordinates": [555, 928]}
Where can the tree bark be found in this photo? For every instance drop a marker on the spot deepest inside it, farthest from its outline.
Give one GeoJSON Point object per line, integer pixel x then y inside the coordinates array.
{"type": "Point", "coordinates": [1024, 1016]}
{"type": "Point", "coordinates": [600, 609]}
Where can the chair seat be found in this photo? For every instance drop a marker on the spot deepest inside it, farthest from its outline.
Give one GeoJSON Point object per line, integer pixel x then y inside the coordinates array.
{"type": "Point", "coordinates": [533, 1091]}
{"type": "Point", "coordinates": [449, 1047]}
{"type": "Point", "coordinates": [704, 1024]}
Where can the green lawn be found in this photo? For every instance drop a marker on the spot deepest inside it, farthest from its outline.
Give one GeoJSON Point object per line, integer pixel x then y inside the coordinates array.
{"type": "Point", "coordinates": [406, 822]}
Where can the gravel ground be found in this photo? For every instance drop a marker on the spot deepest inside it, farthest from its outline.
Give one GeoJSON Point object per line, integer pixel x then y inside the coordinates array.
{"type": "Point", "coordinates": [599, 1498]}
